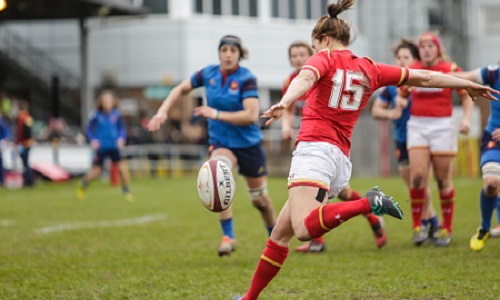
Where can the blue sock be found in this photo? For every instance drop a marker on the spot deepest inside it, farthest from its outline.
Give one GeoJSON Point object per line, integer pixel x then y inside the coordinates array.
{"type": "Point", "coordinates": [488, 204]}
{"type": "Point", "coordinates": [498, 210]}
{"type": "Point", "coordinates": [125, 190]}
{"type": "Point", "coordinates": [434, 221]}
{"type": "Point", "coordinates": [227, 227]}
{"type": "Point", "coordinates": [269, 230]}
{"type": "Point", "coordinates": [425, 222]}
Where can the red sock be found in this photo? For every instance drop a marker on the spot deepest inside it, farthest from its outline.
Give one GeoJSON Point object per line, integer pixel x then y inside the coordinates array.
{"type": "Point", "coordinates": [319, 239]}
{"type": "Point", "coordinates": [268, 267]}
{"type": "Point", "coordinates": [354, 196]}
{"type": "Point", "coordinates": [447, 205]}
{"type": "Point", "coordinates": [372, 219]}
{"type": "Point", "coordinates": [417, 198]}
{"type": "Point", "coordinates": [325, 218]}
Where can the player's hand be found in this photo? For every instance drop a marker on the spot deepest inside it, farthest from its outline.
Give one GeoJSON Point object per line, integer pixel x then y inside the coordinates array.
{"type": "Point", "coordinates": [395, 113]}
{"type": "Point", "coordinates": [464, 126]}
{"type": "Point", "coordinates": [476, 90]}
{"type": "Point", "coordinates": [206, 111]}
{"type": "Point", "coordinates": [94, 144]}
{"type": "Point", "coordinates": [496, 135]}
{"type": "Point", "coordinates": [156, 121]}
{"type": "Point", "coordinates": [274, 113]}
{"type": "Point", "coordinates": [401, 102]}
{"type": "Point", "coordinates": [120, 143]}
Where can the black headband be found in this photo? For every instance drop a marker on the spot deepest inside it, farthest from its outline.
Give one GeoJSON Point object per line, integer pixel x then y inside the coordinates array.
{"type": "Point", "coordinates": [231, 40]}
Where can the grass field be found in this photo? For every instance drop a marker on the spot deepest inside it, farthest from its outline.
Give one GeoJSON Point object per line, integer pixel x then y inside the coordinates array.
{"type": "Point", "coordinates": [163, 246]}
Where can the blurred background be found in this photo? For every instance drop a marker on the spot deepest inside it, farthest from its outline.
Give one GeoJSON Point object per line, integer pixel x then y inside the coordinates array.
{"type": "Point", "coordinates": [58, 55]}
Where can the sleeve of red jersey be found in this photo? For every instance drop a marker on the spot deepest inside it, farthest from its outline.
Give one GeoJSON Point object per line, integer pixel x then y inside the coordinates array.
{"type": "Point", "coordinates": [318, 64]}
{"type": "Point", "coordinates": [392, 75]}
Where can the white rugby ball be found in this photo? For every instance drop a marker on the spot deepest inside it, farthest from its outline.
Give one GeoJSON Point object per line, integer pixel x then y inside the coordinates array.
{"type": "Point", "coordinates": [215, 185]}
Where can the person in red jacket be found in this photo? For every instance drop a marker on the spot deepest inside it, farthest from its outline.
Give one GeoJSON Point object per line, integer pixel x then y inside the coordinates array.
{"type": "Point", "coordinates": [24, 141]}
{"type": "Point", "coordinates": [298, 53]}
{"type": "Point", "coordinates": [432, 139]}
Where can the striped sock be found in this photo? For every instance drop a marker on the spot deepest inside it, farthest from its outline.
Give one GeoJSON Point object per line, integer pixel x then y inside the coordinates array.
{"type": "Point", "coordinates": [325, 218]}
{"type": "Point", "coordinates": [268, 267]}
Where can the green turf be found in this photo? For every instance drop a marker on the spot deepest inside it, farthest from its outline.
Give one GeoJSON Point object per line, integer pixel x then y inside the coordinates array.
{"type": "Point", "coordinates": [176, 258]}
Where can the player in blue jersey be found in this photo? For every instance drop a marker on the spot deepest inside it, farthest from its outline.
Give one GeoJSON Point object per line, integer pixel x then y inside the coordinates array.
{"type": "Point", "coordinates": [490, 155]}
{"type": "Point", "coordinates": [234, 135]}
{"type": "Point", "coordinates": [386, 108]}
{"type": "Point", "coordinates": [107, 135]}
{"type": "Point", "coordinates": [5, 135]}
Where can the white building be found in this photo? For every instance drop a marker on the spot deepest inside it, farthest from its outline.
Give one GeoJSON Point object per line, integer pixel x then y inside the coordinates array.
{"type": "Point", "coordinates": [180, 36]}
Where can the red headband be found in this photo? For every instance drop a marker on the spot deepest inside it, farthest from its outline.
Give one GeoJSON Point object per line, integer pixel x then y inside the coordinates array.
{"type": "Point", "coordinates": [429, 36]}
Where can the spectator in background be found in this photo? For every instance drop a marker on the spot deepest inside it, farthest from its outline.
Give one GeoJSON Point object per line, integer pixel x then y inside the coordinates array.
{"type": "Point", "coordinates": [107, 135]}
{"type": "Point", "coordinates": [4, 136]}
{"type": "Point", "coordinates": [24, 141]}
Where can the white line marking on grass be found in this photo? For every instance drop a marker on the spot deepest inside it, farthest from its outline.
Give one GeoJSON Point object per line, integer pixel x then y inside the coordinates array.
{"type": "Point", "coordinates": [6, 223]}
{"type": "Point", "coordinates": [101, 224]}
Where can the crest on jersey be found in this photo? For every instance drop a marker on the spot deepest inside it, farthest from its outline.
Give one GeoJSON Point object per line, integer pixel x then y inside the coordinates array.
{"type": "Point", "coordinates": [211, 81]}
{"type": "Point", "coordinates": [491, 144]}
{"type": "Point", "coordinates": [233, 87]}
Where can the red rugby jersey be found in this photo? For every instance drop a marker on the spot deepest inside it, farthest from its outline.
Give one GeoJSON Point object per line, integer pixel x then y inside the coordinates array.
{"type": "Point", "coordinates": [344, 86]}
{"type": "Point", "coordinates": [433, 102]}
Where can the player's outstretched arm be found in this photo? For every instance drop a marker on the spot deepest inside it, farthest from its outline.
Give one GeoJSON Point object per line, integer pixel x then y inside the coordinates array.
{"type": "Point", "coordinates": [425, 78]}
{"type": "Point", "coordinates": [161, 115]}
{"type": "Point", "coordinates": [474, 75]}
{"type": "Point", "coordinates": [298, 87]}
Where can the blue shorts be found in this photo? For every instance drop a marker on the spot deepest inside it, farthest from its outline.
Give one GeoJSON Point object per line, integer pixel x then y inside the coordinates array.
{"type": "Point", "coordinates": [251, 160]}
{"type": "Point", "coordinates": [101, 154]}
{"type": "Point", "coordinates": [402, 154]}
{"type": "Point", "coordinates": [490, 150]}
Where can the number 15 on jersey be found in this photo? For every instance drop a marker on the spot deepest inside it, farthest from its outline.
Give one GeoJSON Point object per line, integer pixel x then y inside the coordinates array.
{"type": "Point", "coordinates": [352, 101]}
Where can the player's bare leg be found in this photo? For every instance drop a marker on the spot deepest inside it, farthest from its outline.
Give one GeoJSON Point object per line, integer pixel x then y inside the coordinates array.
{"type": "Point", "coordinates": [228, 243]}
{"type": "Point", "coordinates": [442, 166]}
{"type": "Point", "coordinates": [419, 178]}
{"type": "Point", "coordinates": [260, 200]}
{"type": "Point", "coordinates": [125, 182]}
{"type": "Point", "coordinates": [94, 172]}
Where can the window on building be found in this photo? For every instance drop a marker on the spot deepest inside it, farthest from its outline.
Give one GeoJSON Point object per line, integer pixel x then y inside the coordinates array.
{"type": "Point", "coordinates": [308, 9]}
{"type": "Point", "coordinates": [253, 8]}
{"type": "Point", "coordinates": [198, 6]}
{"type": "Point", "coordinates": [292, 12]}
{"type": "Point", "coordinates": [235, 7]}
{"type": "Point", "coordinates": [156, 6]}
{"type": "Point", "coordinates": [275, 9]}
{"type": "Point", "coordinates": [216, 7]}
{"type": "Point", "coordinates": [226, 7]}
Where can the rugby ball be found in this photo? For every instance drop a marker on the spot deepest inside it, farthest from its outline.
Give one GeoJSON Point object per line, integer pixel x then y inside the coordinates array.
{"type": "Point", "coordinates": [215, 185]}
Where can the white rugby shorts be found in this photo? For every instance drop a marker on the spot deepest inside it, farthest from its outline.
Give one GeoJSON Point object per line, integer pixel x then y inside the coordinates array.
{"type": "Point", "coordinates": [435, 133]}
{"type": "Point", "coordinates": [320, 164]}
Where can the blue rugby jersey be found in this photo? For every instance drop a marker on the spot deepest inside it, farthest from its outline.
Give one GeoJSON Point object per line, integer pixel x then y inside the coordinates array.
{"type": "Point", "coordinates": [106, 128]}
{"type": "Point", "coordinates": [227, 94]}
{"type": "Point", "coordinates": [491, 76]}
{"type": "Point", "coordinates": [4, 129]}
{"type": "Point", "coordinates": [388, 95]}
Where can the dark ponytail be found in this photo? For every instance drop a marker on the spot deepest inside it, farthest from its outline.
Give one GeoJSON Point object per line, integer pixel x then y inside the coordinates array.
{"type": "Point", "coordinates": [331, 25]}
{"type": "Point", "coordinates": [334, 9]}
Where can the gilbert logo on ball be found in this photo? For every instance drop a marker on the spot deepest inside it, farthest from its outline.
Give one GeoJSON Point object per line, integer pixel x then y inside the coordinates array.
{"type": "Point", "coordinates": [215, 185]}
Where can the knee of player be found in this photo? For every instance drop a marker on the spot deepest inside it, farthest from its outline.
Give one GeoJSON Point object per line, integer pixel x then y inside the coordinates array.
{"type": "Point", "coordinates": [259, 198]}
{"type": "Point", "coordinates": [491, 186]}
{"type": "Point", "coordinates": [301, 233]}
{"type": "Point", "coordinates": [417, 181]}
{"type": "Point", "coordinates": [443, 184]}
